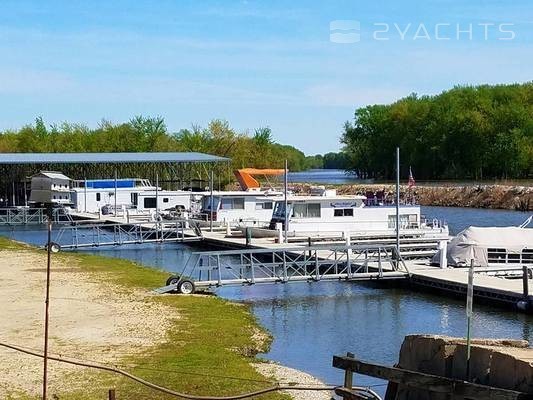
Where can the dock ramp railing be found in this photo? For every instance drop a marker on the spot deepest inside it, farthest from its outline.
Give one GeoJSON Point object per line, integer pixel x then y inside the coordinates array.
{"type": "Point", "coordinates": [32, 216]}
{"type": "Point", "coordinates": [83, 235]}
{"type": "Point", "coordinates": [287, 264]}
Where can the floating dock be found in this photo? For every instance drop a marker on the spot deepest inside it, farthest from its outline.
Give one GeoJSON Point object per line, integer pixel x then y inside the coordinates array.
{"type": "Point", "coordinates": [511, 293]}
{"type": "Point", "coordinates": [419, 274]}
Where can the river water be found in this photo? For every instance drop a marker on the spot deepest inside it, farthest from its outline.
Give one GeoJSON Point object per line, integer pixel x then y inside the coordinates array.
{"type": "Point", "coordinates": [311, 322]}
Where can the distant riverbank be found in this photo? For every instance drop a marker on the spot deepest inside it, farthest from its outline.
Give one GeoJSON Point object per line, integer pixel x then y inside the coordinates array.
{"type": "Point", "coordinates": [507, 197]}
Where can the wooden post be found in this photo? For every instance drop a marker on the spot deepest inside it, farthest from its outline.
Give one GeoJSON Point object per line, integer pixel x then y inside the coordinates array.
{"type": "Point", "coordinates": [348, 374]}
{"type": "Point", "coordinates": [111, 394]}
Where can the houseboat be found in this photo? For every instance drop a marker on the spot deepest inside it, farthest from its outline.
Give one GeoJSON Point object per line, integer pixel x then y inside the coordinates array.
{"type": "Point", "coordinates": [134, 194]}
{"type": "Point", "coordinates": [330, 214]}
{"type": "Point", "coordinates": [251, 208]}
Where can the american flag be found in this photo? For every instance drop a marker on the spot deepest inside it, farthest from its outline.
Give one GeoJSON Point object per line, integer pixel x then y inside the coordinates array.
{"type": "Point", "coordinates": [411, 181]}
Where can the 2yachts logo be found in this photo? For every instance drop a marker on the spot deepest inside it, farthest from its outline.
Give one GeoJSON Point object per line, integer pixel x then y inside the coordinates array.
{"type": "Point", "coordinates": [349, 31]}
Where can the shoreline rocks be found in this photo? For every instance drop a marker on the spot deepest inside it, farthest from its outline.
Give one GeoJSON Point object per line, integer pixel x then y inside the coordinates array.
{"type": "Point", "coordinates": [516, 198]}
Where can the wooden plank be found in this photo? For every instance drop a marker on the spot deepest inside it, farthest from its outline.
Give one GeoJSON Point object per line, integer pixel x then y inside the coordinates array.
{"type": "Point", "coordinates": [431, 383]}
{"type": "Point", "coordinates": [350, 394]}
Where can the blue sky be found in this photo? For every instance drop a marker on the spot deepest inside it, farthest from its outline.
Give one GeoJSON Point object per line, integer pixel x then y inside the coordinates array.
{"type": "Point", "coordinates": [250, 62]}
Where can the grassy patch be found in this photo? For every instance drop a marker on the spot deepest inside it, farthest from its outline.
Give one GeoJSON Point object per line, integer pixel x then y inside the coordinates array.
{"type": "Point", "coordinates": [207, 352]}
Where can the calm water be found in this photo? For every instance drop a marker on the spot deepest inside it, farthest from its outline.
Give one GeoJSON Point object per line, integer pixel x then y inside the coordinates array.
{"type": "Point", "coordinates": [311, 322]}
{"type": "Point", "coordinates": [324, 176]}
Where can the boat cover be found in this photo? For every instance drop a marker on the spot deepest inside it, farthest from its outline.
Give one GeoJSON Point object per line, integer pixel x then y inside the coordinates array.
{"type": "Point", "coordinates": [473, 243]}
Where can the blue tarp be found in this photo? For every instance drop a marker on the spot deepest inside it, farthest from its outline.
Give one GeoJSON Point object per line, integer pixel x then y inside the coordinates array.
{"type": "Point", "coordinates": [110, 184]}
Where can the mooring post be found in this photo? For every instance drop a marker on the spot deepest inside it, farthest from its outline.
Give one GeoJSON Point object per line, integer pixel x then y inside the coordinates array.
{"type": "Point", "coordinates": [469, 314]}
{"type": "Point", "coordinates": [111, 394]}
{"type": "Point", "coordinates": [525, 283]}
{"type": "Point", "coordinates": [348, 374]}
{"type": "Point", "coordinates": [248, 232]}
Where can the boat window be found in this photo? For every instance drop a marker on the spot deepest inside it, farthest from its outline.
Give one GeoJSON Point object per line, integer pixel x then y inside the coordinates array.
{"type": "Point", "coordinates": [97, 196]}
{"type": "Point", "coordinates": [226, 204]}
{"type": "Point", "coordinates": [232, 203]}
{"type": "Point", "coordinates": [527, 256]}
{"type": "Point", "coordinates": [238, 203]}
{"type": "Point", "coordinates": [149, 202]}
{"type": "Point", "coordinates": [513, 257]}
{"type": "Point", "coordinates": [304, 210]}
{"type": "Point", "coordinates": [134, 198]}
{"type": "Point", "coordinates": [496, 255]}
{"type": "Point", "coordinates": [406, 221]}
{"type": "Point", "coordinates": [343, 212]}
{"type": "Point", "coordinates": [263, 206]}
{"type": "Point", "coordinates": [165, 199]}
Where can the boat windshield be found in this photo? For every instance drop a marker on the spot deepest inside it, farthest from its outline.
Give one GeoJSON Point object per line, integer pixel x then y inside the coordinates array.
{"type": "Point", "coordinates": [279, 209]}
{"type": "Point", "coordinates": [206, 203]}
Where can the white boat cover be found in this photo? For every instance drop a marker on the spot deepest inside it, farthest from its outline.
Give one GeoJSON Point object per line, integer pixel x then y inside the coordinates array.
{"type": "Point", "coordinates": [473, 242]}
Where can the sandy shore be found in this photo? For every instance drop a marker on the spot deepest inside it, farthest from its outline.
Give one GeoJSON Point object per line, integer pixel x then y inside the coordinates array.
{"type": "Point", "coordinates": [89, 320]}
{"type": "Point", "coordinates": [286, 375]}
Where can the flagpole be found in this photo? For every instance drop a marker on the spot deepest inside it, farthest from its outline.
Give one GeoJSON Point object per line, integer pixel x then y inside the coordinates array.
{"type": "Point", "coordinates": [398, 202]}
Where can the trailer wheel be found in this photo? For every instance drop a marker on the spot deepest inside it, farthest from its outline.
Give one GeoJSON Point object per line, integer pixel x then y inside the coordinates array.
{"type": "Point", "coordinates": [173, 280]}
{"type": "Point", "coordinates": [186, 287]}
{"type": "Point", "coordinates": [54, 247]}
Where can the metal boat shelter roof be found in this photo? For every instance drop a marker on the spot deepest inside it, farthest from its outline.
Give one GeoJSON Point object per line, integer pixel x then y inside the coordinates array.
{"type": "Point", "coordinates": [108, 158]}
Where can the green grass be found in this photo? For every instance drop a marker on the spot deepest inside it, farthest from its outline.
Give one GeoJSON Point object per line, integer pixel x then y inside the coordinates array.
{"type": "Point", "coordinates": [209, 346]}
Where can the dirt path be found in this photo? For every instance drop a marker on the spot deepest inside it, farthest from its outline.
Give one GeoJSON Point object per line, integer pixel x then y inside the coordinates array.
{"type": "Point", "coordinates": [89, 320]}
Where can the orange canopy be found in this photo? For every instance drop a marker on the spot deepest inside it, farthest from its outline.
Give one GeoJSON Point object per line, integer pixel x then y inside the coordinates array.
{"type": "Point", "coordinates": [245, 176]}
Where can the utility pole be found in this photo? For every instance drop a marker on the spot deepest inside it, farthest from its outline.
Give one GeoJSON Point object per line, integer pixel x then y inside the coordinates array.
{"type": "Point", "coordinates": [47, 300]}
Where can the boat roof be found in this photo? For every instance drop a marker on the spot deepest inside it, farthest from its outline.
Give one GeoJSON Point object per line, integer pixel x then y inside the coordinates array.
{"type": "Point", "coordinates": [325, 198]}
{"type": "Point", "coordinates": [52, 175]}
{"type": "Point", "coordinates": [152, 191]}
{"type": "Point", "coordinates": [222, 193]}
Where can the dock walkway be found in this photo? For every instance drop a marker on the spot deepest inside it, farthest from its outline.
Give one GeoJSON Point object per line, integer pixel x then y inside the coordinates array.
{"type": "Point", "coordinates": [451, 281]}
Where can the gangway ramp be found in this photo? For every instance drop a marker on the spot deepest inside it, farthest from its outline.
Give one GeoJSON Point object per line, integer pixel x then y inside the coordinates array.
{"type": "Point", "coordinates": [92, 234]}
{"type": "Point", "coordinates": [287, 264]}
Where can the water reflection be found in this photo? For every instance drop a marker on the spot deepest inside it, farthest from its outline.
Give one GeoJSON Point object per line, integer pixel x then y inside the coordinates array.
{"type": "Point", "coordinates": [311, 322]}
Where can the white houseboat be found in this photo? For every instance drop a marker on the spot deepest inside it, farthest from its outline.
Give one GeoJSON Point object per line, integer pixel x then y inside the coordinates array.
{"type": "Point", "coordinates": [135, 194]}
{"type": "Point", "coordinates": [331, 214]}
{"type": "Point", "coordinates": [251, 208]}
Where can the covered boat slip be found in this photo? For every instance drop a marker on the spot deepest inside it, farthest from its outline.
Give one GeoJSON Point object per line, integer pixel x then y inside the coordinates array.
{"type": "Point", "coordinates": [174, 169]}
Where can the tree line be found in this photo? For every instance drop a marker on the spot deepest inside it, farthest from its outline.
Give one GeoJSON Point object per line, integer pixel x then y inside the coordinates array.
{"type": "Point", "coordinates": [150, 134]}
{"type": "Point", "coordinates": [468, 132]}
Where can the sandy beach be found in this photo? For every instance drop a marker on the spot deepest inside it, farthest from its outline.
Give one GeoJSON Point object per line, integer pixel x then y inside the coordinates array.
{"type": "Point", "coordinates": [84, 323]}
